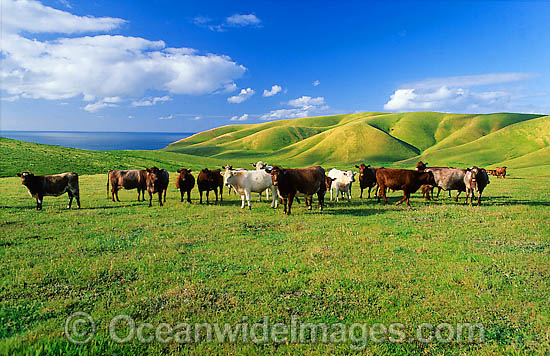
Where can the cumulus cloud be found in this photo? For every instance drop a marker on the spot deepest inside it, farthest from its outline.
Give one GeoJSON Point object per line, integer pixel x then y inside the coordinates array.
{"type": "Point", "coordinates": [245, 94]}
{"type": "Point", "coordinates": [275, 89]}
{"type": "Point", "coordinates": [455, 94]}
{"type": "Point", "coordinates": [243, 117]}
{"type": "Point", "coordinates": [109, 102]}
{"type": "Point", "coordinates": [99, 66]}
{"type": "Point", "coordinates": [301, 107]}
{"type": "Point", "coordinates": [151, 101]}
{"type": "Point", "coordinates": [236, 20]}
{"type": "Point", "coordinates": [169, 117]}
{"type": "Point", "coordinates": [307, 101]}
{"type": "Point", "coordinates": [240, 20]}
{"type": "Point", "coordinates": [316, 83]}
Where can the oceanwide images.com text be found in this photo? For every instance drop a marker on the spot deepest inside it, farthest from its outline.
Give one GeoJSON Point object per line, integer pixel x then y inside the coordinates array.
{"type": "Point", "coordinates": [80, 328]}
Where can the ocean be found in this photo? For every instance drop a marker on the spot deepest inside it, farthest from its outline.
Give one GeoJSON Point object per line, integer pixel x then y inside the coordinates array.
{"type": "Point", "coordinates": [99, 141]}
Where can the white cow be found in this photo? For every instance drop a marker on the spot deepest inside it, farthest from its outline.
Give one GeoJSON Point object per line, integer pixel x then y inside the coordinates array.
{"type": "Point", "coordinates": [342, 182]}
{"type": "Point", "coordinates": [260, 166]}
{"type": "Point", "coordinates": [246, 182]}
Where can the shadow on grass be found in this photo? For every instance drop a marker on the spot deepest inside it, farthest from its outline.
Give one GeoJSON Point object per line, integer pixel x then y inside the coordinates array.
{"type": "Point", "coordinates": [353, 212]}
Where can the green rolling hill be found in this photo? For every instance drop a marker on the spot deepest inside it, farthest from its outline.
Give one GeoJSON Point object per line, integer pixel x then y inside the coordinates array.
{"type": "Point", "coordinates": [380, 138]}
{"type": "Point", "coordinates": [392, 140]}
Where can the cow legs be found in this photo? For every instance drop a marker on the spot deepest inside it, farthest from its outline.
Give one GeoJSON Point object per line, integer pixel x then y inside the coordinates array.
{"type": "Point", "coordinates": [321, 198]}
{"type": "Point", "coordinates": [165, 195]}
{"type": "Point", "coordinates": [116, 193]}
{"type": "Point", "coordinates": [405, 197]}
{"type": "Point", "coordinates": [248, 196]}
{"type": "Point", "coordinates": [382, 192]}
{"type": "Point", "coordinates": [259, 196]}
{"type": "Point", "coordinates": [275, 198]}
{"type": "Point", "coordinates": [349, 194]}
{"type": "Point", "coordinates": [457, 194]}
{"type": "Point", "coordinates": [479, 198]}
{"type": "Point", "coordinates": [139, 192]}
{"type": "Point", "coordinates": [70, 199]}
{"type": "Point", "coordinates": [215, 192]}
{"type": "Point", "coordinates": [150, 199]}
{"type": "Point", "coordinates": [189, 196]}
{"type": "Point", "coordinates": [290, 198]}
{"type": "Point", "coordinates": [331, 194]}
{"type": "Point", "coordinates": [207, 197]}
{"type": "Point", "coordinates": [310, 205]}
{"type": "Point", "coordinates": [337, 193]}
{"type": "Point", "coordinates": [221, 194]}
{"type": "Point", "coordinates": [181, 193]}
{"type": "Point", "coordinates": [160, 197]}
{"type": "Point", "coordinates": [200, 192]}
{"type": "Point", "coordinates": [39, 202]}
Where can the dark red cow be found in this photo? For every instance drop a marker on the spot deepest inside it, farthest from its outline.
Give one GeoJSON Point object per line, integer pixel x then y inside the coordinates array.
{"type": "Point", "coordinates": [210, 180]}
{"type": "Point", "coordinates": [308, 181]}
{"type": "Point", "coordinates": [402, 179]}
{"type": "Point", "coordinates": [51, 185]}
{"type": "Point", "coordinates": [367, 177]}
{"type": "Point", "coordinates": [127, 179]}
{"type": "Point", "coordinates": [157, 182]}
{"type": "Point", "coordinates": [185, 183]}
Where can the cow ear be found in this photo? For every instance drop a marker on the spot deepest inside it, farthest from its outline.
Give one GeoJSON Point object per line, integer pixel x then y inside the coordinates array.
{"type": "Point", "coordinates": [147, 170]}
{"type": "Point", "coordinates": [189, 170]}
{"type": "Point", "coordinates": [368, 166]}
{"type": "Point", "coordinates": [356, 166]}
{"type": "Point", "coordinates": [179, 171]}
{"type": "Point", "coordinates": [267, 170]}
{"type": "Point", "coordinates": [19, 174]}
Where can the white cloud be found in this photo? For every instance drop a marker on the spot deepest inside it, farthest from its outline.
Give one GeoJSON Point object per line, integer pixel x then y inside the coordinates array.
{"type": "Point", "coordinates": [454, 94]}
{"type": "Point", "coordinates": [196, 118]}
{"type": "Point", "coordinates": [98, 106]}
{"type": "Point", "coordinates": [245, 94]}
{"type": "Point", "coordinates": [239, 118]}
{"type": "Point", "coordinates": [10, 99]}
{"type": "Point", "coordinates": [151, 101]}
{"type": "Point", "coordinates": [169, 117]}
{"type": "Point", "coordinates": [316, 83]}
{"type": "Point", "coordinates": [241, 20]}
{"type": "Point", "coordinates": [32, 16]}
{"type": "Point", "coordinates": [306, 101]}
{"type": "Point", "coordinates": [236, 20]}
{"type": "Point", "coordinates": [275, 89]}
{"type": "Point", "coordinates": [99, 66]}
{"type": "Point", "coordinates": [302, 107]}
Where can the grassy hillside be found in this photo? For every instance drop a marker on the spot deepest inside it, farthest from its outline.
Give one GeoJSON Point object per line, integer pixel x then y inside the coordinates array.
{"type": "Point", "coordinates": [380, 138]}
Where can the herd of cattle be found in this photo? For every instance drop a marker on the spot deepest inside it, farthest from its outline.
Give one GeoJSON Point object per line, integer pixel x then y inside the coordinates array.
{"type": "Point", "coordinates": [286, 183]}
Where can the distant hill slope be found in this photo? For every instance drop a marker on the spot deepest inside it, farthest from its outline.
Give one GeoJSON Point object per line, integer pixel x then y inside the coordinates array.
{"type": "Point", "coordinates": [381, 138]}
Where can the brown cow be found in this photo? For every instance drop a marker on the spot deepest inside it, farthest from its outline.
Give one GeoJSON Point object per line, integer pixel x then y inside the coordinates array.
{"type": "Point", "coordinates": [185, 182]}
{"type": "Point", "coordinates": [501, 172]}
{"type": "Point", "coordinates": [210, 180]}
{"type": "Point", "coordinates": [51, 185]}
{"type": "Point", "coordinates": [157, 182]}
{"type": "Point", "coordinates": [127, 179]}
{"type": "Point", "coordinates": [367, 177]}
{"type": "Point", "coordinates": [308, 181]}
{"type": "Point", "coordinates": [402, 179]}
{"type": "Point", "coordinates": [492, 172]}
{"type": "Point", "coordinates": [475, 180]}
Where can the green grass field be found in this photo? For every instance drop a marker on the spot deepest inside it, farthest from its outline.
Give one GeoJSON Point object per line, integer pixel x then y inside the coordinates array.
{"type": "Point", "coordinates": [360, 262]}
{"type": "Point", "coordinates": [438, 262]}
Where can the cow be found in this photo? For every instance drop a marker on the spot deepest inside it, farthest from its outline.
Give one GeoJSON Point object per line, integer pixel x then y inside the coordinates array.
{"type": "Point", "coordinates": [262, 166]}
{"type": "Point", "coordinates": [289, 182]}
{"type": "Point", "coordinates": [367, 177]}
{"type": "Point", "coordinates": [501, 172]}
{"type": "Point", "coordinates": [402, 179]}
{"type": "Point", "coordinates": [475, 180]}
{"type": "Point", "coordinates": [185, 182]}
{"type": "Point", "coordinates": [157, 182]}
{"type": "Point", "coordinates": [208, 180]}
{"type": "Point", "coordinates": [492, 172]}
{"type": "Point", "coordinates": [246, 182]}
{"type": "Point", "coordinates": [342, 182]}
{"type": "Point", "coordinates": [51, 185]}
{"type": "Point", "coordinates": [448, 179]}
{"type": "Point", "coordinates": [235, 169]}
{"type": "Point", "coordinates": [127, 179]}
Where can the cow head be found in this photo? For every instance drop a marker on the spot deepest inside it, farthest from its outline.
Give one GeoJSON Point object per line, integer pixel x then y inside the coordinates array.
{"type": "Point", "coordinates": [227, 166]}
{"type": "Point", "coordinates": [328, 181]}
{"type": "Point", "coordinates": [184, 173]}
{"type": "Point", "coordinates": [362, 170]}
{"type": "Point", "coordinates": [153, 177]}
{"type": "Point", "coordinates": [26, 177]}
{"type": "Point", "coordinates": [420, 166]}
{"type": "Point", "coordinates": [277, 174]}
{"type": "Point", "coordinates": [228, 175]}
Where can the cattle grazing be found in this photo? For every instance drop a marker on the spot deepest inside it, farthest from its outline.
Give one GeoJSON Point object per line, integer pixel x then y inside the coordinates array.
{"type": "Point", "coordinates": [127, 179]}
{"type": "Point", "coordinates": [185, 182]}
{"type": "Point", "coordinates": [210, 180]}
{"type": "Point", "coordinates": [260, 166]}
{"type": "Point", "coordinates": [51, 185]}
{"type": "Point", "coordinates": [235, 169]}
{"type": "Point", "coordinates": [342, 182]}
{"type": "Point", "coordinates": [328, 181]}
{"type": "Point", "coordinates": [157, 182]}
{"type": "Point", "coordinates": [501, 172]}
{"type": "Point", "coordinates": [402, 179]}
{"type": "Point", "coordinates": [308, 181]}
{"type": "Point", "coordinates": [246, 182]}
{"type": "Point", "coordinates": [421, 166]}
{"type": "Point", "coordinates": [475, 179]}
{"type": "Point", "coordinates": [367, 178]}
{"type": "Point", "coordinates": [492, 172]}
{"type": "Point", "coordinates": [448, 179]}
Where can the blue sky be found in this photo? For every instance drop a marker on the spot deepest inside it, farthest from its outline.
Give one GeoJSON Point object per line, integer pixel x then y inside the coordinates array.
{"type": "Point", "coordinates": [187, 66]}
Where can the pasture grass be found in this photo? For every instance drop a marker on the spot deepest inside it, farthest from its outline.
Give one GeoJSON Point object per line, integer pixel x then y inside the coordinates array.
{"type": "Point", "coordinates": [437, 262]}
